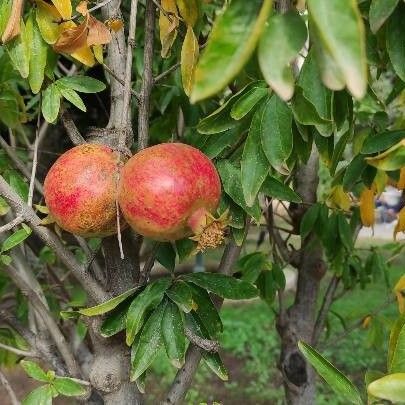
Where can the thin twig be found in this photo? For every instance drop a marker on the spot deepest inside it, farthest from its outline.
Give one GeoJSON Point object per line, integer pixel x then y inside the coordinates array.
{"type": "Point", "coordinates": [119, 80]}
{"type": "Point", "coordinates": [90, 10]}
{"type": "Point", "coordinates": [16, 221]}
{"type": "Point", "coordinates": [34, 161]}
{"type": "Point", "coordinates": [71, 129]}
{"type": "Point", "coordinates": [166, 73]}
{"type": "Point", "coordinates": [10, 391]}
{"type": "Point", "coordinates": [18, 352]}
{"type": "Point", "coordinates": [147, 267]}
{"type": "Point", "coordinates": [147, 79]}
{"type": "Point", "coordinates": [205, 344]}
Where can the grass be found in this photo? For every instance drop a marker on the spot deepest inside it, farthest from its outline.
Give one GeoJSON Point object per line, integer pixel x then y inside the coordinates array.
{"type": "Point", "coordinates": [251, 350]}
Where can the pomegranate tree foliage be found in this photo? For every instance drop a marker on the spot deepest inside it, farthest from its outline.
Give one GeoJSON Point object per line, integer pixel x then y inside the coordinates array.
{"type": "Point", "coordinates": [264, 89]}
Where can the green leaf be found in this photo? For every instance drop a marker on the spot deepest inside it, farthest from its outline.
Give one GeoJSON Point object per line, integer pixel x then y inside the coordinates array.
{"type": "Point", "coordinates": [222, 285]}
{"type": "Point", "coordinates": [379, 12]}
{"type": "Point", "coordinates": [72, 96]}
{"type": "Point", "coordinates": [173, 334]}
{"type": "Point", "coordinates": [345, 232]}
{"type": "Point", "coordinates": [180, 293]}
{"type": "Point", "coordinates": [68, 387]}
{"type": "Point", "coordinates": [232, 183]}
{"type": "Point", "coordinates": [5, 259]}
{"type": "Point", "coordinates": [282, 39]}
{"type": "Point", "coordinates": [353, 172]}
{"type": "Point", "coordinates": [215, 145]}
{"type": "Point", "coordinates": [267, 286]}
{"type": "Point", "coordinates": [276, 132]}
{"type": "Point", "coordinates": [19, 51]}
{"type": "Point", "coordinates": [390, 387]}
{"type": "Point", "coordinates": [82, 84]}
{"type": "Point", "coordinates": [10, 112]}
{"type": "Point", "coordinates": [279, 276]}
{"type": "Point", "coordinates": [254, 164]}
{"type": "Point", "coordinates": [149, 343]}
{"type": "Point", "coordinates": [38, 54]}
{"type": "Point", "coordinates": [309, 219]}
{"type": "Point", "coordinates": [392, 159]}
{"type": "Point", "coordinates": [184, 248]}
{"type": "Point", "coordinates": [108, 305]}
{"type": "Point", "coordinates": [51, 103]}
{"type": "Point", "coordinates": [5, 10]}
{"type": "Point", "coordinates": [276, 189]}
{"type": "Point", "coordinates": [147, 299]}
{"type": "Point", "coordinates": [399, 324]}
{"type": "Point", "coordinates": [232, 41]}
{"type": "Point", "coordinates": [206, 311]}
{"type": "Point", "coordinates": [15, 239]}
{"type": "Point", "coordinates": [339, 383]}
{"type": "Point", "coordinates": [34, 371]}
{"type": "Point", "coordinates": [344, 49]}
{"type": "Point", "coordinates": [166, 255]}
{"type": "Point", "coordinates": [212, 360]}
{"type": "Point", "coordinates": [19, 185]}
{"type": "Point", "coordinates": [115, 321]}
{"type": "Point", "coordinates": [397, 348]}
{"type": "Point", "coordinates": [244, 104]}
{"type": "Point", "coordinates": [395, 35]}
{"type": "Point", "coordinates": [382, 141]}
{"type": "Point", "coordinates": [40, 396]}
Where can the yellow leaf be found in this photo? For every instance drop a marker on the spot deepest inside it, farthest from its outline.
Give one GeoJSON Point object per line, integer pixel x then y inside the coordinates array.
{"type": "Point", "coordinates": [114, 24]}
{"type": "Point", "coordinates": [85, 56]}
{"type": "Point", "coordinates": [49, 219]}
{"type": "Point", "coordinates": [98, 53]}
{"type": "Point", "coordinates": [188, 10]}
{"type": "Point", "coordinates": [13, 25]}
{"type": "Point", "coordinates": [401, 302]}
{"type": "Point", "coordinates": [189, 58]}
{"type": "Point", "coordinates": [401, 181]}
{"type": "Point", "coordinates": [392, 159]}
{"type": "Point", "coordinates": [64, 7]}
{"type": "Point", "coordinates": [367, 213]}
{"type": "Point", "coordinates": [82, 8]}
{"type": "Point", "coordinates": [47, 17]}
{"type": "Point", "coordinates": [366, 322]}
{"type": "Point", "coordinates": [168, 26]}
{"type": "Point", "coordinates": [400, 285]}
{"type": "Point", "coordinates": [339, 199]}
{"type": "Point", "coordinates": [380, 181]}
{"type": "Point", "coordinates": [400, 226]}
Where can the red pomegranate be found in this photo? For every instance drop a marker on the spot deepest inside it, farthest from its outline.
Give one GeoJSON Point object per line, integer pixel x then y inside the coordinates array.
{"type": "Point", "coordinates": [170, 191]}
{"type": "Point", "coordinates": [80, 190]}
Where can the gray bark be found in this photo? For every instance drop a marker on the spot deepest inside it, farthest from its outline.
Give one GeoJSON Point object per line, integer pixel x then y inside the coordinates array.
{"type": "Point", "coordinates": [298, 322]}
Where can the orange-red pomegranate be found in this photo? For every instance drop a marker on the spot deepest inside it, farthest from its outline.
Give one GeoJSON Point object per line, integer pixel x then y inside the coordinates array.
{"type": "Point", "coordinates": [80, 190]}
{"type": "Point", "coordinates": [170, 191]}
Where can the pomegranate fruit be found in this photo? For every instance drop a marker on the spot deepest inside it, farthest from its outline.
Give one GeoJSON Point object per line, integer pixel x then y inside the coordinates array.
{"type": "Point", "coordinates": [170, 191]}
{"type": "Point", "coordinates": [80, 190]}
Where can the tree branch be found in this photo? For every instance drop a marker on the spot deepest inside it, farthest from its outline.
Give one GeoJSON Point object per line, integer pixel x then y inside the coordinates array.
{"type": "Point", "coordinates": [94, 289]}
{"type": "Point", "coordinates": [184, 376]}
{"type": "Point", "coordinates": [71, 129]}
{"type": "Point", "coordinates": [10, 391]}
{"type": "Point", "coordinates": [205, 344]}
{"type": "Point", "coordinates": [147, 80]}
{"type": "Point", "coordinates": [162, 75]}
{"type": "Point", "coordinates": [18, 352]}
{"type": "Point", "coordinates": [10, 225]}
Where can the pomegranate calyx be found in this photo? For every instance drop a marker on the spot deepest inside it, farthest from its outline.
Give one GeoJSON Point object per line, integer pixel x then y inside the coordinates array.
{"type": "Point", "coordinates": [212, 234]}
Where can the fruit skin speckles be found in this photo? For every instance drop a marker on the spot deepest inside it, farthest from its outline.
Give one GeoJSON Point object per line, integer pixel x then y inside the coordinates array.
{"type": "Point", "coordinates": [80, 190]}
{"type": "Point", "coordinates": [161, 188]}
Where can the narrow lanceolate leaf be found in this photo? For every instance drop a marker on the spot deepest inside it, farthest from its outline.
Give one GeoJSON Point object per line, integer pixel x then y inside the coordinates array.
{"type": "Point", "coordinates": [390, 387]}
{"type": "Point", "coordinates": [379, 12]}
{"type": "Point", "coordinates": [108, 305]}
{"type": "Point", "coordinates": [189, 57]}
{"type": "Point", "coordinates": [13, 26]}
{"type": "Point", "coordinates": [367, 214]}
{"type": "Point", "coordinates": [168, 23]}
{"type": "Point", "coordinates": [149, 343]}
{"type": "Point", "coordinates": [40, 396]}
{"type": "Point", "coordinates": [345, 48]}
{"type": "Point", "coordinates": [282, 39]}
{"type": "Point", "coordinates": [188, 10]}
{"type": "Point", "coordinates": [15, 239]}
{"type": "Point", "coordinates": [38, 54]}
{"type": "Point", "coordinates": [34, 371]}
{"type": "Point", "coordinates": [339, 383]}
{"type": "Point", "coordinates": [382, 141]}
{"type": "Point", "coordinates": [18, 50]}
{"type": "Point", "coordinates": [72, 37]}
{"type": "Point", "coordinates": [276, 189]}
{"type": "Point", "coordinates": [5, 11]}
{"type": "Point", "coordinates": [396, 348]}
{"type": "Point", "coordinates": [64, 7]}
{"type": "Point", "coordinates": [276, 132]}
{"type": "Point", "coordinates": [147, 299]}
{"type": "Point", "coordinates": [98, 33]}
{"type": "Point", "coordinates": [180, 293]}
{"type": "Point", "coordinates": [246, 102]}
{"type": "Point", "coordinates": [395, 41]}
{"type": "Point", "coordinates": [115, 321]}
{"type": "Point", "coordinates": [68, 387]}
{"type": "Point", "coordinates": [82, 84]}
{"type": "Point", "coordinates": [232, 41]}
{"type": "Point", "coordinates": [47, 17]}
{"type": "Point", "coordinates": [254, 164]}
{"type": "Point", "coordinates": [222, 285]}
{"type": "Point", "coordinates": [391, 159]}
{"type": "Point", "coordinates": [51, 103]}
{"type": "Point", "coordinates": [72, 96]}
{"type": "Point", "coordinates": [173, 334]}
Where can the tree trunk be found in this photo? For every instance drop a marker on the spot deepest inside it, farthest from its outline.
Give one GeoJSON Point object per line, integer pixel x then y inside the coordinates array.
{"type": "Point", "coordinates": [298, 321]}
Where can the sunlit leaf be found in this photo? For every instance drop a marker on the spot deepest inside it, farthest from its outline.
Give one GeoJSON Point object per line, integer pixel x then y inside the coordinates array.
{"type": "Point", "coordinates": [64, 7]}
{"type": "Point", "coordinates": [367, 213]}
{"type": "Point", "coordinates": [390, 387]}
{"type": "Point", "coordinates": [189, 57]}
{"type": "Point", "coordinates": [391, 159]}
{"type": "Point", "coordinates": [18, 50]}
{"type": "Point", "coordinates": [188, 10]}
{"type": "Point", "coordinates": [13, 26]}
{"type": "Point", "coordinates": [51, 103]}
{"type": "Point", "coordinates": [47, 17]}
{"type": "Point", "coordinates": [72, 37]}
{"type": "Point", "coordinates": [98, 33]}
{"type": "Point", "coordinates": [168, 23]}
